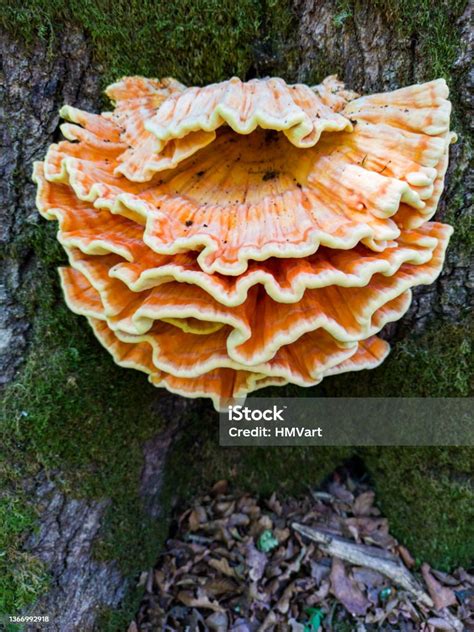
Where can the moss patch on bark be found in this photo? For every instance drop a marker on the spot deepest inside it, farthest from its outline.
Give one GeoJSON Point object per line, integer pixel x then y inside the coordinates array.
{"type": "Point", "coordinates": [196, 41]}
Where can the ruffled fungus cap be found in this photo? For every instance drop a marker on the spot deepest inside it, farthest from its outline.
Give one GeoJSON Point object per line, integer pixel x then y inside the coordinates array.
{"type": "Point", "coordinates": [229, 237]}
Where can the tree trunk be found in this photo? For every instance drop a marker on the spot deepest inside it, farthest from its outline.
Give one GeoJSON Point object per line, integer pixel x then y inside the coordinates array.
{"type": "Point", "coordinates": [360, 42]}
{"type": "Point", "coordinates": [34, 85]}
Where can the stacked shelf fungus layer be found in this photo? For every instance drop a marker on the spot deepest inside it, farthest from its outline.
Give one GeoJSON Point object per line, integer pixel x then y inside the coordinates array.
{"type": "Point", "coordinates": [226, 238]}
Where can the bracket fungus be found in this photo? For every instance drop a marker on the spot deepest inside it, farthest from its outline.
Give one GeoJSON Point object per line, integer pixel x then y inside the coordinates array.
{"type": "Point", "coordinates": [226, 238]}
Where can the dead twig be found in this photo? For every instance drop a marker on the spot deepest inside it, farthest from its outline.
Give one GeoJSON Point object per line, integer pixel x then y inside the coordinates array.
{"type": "Point", "coordinates": [363, 555]}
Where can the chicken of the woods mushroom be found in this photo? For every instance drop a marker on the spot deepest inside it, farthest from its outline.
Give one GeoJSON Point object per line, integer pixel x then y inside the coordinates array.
{"type": "Point", "coordinates": [226, 238]}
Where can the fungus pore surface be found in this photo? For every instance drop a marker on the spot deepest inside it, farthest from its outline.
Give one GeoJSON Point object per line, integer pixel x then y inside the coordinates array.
{"type": "Point", "coordinates": [227, 238]}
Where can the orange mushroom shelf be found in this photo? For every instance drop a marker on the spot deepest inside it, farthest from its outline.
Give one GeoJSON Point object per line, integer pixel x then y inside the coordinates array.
{"type": "Point", "coordinates": [226, 238]}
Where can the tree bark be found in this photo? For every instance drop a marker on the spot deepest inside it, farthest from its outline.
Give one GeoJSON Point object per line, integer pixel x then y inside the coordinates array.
{"type": "Point", "coordinates": [34, 84]}
{"type": "Point", "coordinates": [70, 527]}
{"type": "Point", "coordinates": [369, 56]}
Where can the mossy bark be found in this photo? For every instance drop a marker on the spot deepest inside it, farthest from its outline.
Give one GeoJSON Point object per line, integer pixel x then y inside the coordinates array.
{"type": "Point", "coordinates": [86, 442]}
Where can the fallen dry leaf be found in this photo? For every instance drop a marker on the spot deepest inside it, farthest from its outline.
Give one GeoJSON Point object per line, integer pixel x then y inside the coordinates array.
{"type": "Point", "coordinates": [341, 492]}
{"type": "Point", "coordinates": [256, 562]}
{"type": "Point", "coordinates": [442, 596]}
{"type": "Point", "coordinates": [319, 571]}
{"type": "Point", "coordinates": [201, 601]}
{"type": "Point", "coordinates": [363, 504]}
{"type": "Point", "coordinates": [445, 578]}
{"type": "Point", "coordinates": [406, 556]}
{"type": "Point", "coordinates": [218, 586]}
{"type": "Point", "coordinates": [222, 565]}
{"type": "Point", "coordinates": [218, 622]}
{"type": "Point", "coordinates": [346, 590]}
{"type": "Point", "coordinates": [440, 624]}
{"type": "Point", "coordinates": [220, 488]}
{"type": "Point", "coordinates": [368, 577]}
{"type": "Point", "coordinates": [196, 518]}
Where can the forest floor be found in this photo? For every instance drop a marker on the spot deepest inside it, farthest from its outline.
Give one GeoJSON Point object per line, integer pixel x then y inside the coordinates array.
{"type": "Point", "coordinates": [325, 561]}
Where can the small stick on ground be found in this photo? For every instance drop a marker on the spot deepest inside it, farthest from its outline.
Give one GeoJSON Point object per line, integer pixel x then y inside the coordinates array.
{"type": "Point", "coordinates": [368, 556]}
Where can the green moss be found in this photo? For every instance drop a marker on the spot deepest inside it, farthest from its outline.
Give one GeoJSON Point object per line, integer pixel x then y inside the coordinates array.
{"type": "Point", "coordinates": [22, 576]}
{"type": "Point", "coordinates": [344, 11]}
{"type": "Point", "coordinates": [463, 237]}
{"type": "Point", "coordinates": [114, 620]}
{"type": "Point", "coordinates": [275, 51]}
{"type": "Point", "coordinates": [459, 213]}
{"type": "Point", "coordinates": [433, 27]}
{"type": "Point", "coordinates": [428, 493]}
{"type": "Point", "coordinates": [194, 40]}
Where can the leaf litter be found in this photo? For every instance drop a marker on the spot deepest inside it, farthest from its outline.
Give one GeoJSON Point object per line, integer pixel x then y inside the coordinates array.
{"type": "Point", "coordinates": [321, 563]}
